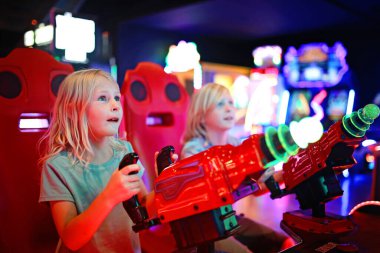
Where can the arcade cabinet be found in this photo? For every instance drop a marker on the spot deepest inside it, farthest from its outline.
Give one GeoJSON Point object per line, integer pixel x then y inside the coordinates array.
{"type": "Point", "coordinates": [155, 107]}
{"type": "Point", "coordinates": [29, 81]}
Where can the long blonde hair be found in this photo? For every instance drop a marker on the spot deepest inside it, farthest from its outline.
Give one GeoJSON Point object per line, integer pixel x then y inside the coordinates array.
{"type": "Point", "coordinates": [202, 101]}
{"type": "Point", "coordinates": [69, 129]}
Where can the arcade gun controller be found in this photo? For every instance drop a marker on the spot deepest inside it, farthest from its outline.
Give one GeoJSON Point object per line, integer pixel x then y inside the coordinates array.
{"type": "Point", "coordinates": [311, 175]}
{"type": "Point", "coordinates": [195, 195]}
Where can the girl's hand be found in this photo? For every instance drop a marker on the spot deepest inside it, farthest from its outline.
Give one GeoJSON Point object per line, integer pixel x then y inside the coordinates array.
{"type": "Point", "coordinates": [174, 158]}
{"type": "Point", "coordinates": [122, 184]}
{"type": "Point", "coordinates": [270, 172]}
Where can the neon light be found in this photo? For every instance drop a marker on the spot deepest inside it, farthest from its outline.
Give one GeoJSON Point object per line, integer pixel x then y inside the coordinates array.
{"type": "Point", "coordinates": [113, 68]}
{"type": "Point", "coordinates": [29, 39]}
{"type": "Point", "coordinates": [365, 203]}
{"type": "Point", "coordinates": [350, 102]}
{"type": "Point", "coordinates": [197, 76]}
{"type": "Point", "coordinates": [321, 66]}
{"type": "Point", "coordinates": [316, 105]}
{"type": "Point", "coordinates": [284, 107]}
{"type": "Point", "coordinates": [267, 56]}
{"type": "Point", "coordinates": [307, 130]}
{"type": "Point", "coordinates": [33, 123]}
{"type": "Point", "coordinates": [239, 91]}
{"type": "Point", "coordinates": [284, 136]}
{"type": "Point", "coordinates": [76, 36]}
{"type": "Point", "coordinates": [368, 142]}
{"type": "Point", "coordinates": [44, 34]}
{"type": "Point", "coordinates": [269, 136]}
{"type": "Point", "coordinates": [183, 57]}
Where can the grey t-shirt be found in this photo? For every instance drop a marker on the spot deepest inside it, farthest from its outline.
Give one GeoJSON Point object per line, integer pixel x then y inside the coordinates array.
{"type": "Point", "coordinates": [199, 144]}
{"type": "Point", "coordinates": [63, 181]}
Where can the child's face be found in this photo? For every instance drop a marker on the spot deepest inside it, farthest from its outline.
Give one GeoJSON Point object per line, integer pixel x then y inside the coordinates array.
{"type": "Point", "coordinates": [104, 112]}
{"type": "Point", "coordinates": [221, 116]}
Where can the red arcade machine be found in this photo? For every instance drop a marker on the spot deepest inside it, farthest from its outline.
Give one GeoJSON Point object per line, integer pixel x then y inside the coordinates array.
{"type": "Point", "coordinates": [29, 80]}
{"type": "Point", "coordinates": [312, 176]}
{"type": "Point", "coordinates": [155, 107]}
{"type": "Point", "coordinates": [194, 195]}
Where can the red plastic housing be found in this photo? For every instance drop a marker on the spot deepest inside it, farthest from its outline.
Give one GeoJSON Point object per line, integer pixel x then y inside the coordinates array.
{"type": "Point", "coordinates": [313, 159]}
{"type": "Point", "coordinates": [29, 79]}
{"type": "Point", "coordinates": [207, 180]}
{"type": "Point", "coordinates": [155, 107]}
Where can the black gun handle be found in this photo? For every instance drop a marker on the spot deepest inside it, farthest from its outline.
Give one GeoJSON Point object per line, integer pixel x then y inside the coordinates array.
{"type": "Point", "coordinates": [136, 212]}
{"type": "Point", "coordinates": [164, 158]}
{"type": "Point", "coordinates": [273, 187]}
{"type": "Point", "coordinates": [128, 159]}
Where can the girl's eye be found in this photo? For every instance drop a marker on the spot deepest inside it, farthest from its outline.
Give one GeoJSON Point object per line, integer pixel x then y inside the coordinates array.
{"type": "Point", "coordinates": [102, 98]}
{"type": "Point", "coordinates": [117, 98]}
{"type": "Point", "coordinates": [220, 104]}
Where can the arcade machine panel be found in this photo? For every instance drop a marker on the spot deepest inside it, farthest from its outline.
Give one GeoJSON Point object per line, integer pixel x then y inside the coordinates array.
{"type": "Point", "coordinates": [29, 81]}
{"type": "Point", "coordinates": [155, 106]}
{"type": "Point", "coordinates": [316, 77]}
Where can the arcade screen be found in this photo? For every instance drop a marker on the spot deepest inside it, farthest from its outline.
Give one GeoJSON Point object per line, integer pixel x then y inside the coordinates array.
{"type": "Point", "coordinates": [333, 105]}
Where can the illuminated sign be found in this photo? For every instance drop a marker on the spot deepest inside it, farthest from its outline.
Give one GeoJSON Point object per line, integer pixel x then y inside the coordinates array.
{"type": "Point", "coordinates": [315, 65]}
{"type": "Point", "coordinates": [185, 57]}
{"type": "Point", "coordinates": [267, 56]}
{"type": "Point", "coordinates": [43, 35]}
{"type": "Point", "coordinates": [76, 36]}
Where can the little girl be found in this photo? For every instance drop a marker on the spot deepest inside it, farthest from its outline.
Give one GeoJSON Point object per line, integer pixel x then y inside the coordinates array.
{"type": "Point", "coordinates": [211, 114]}
{"type": "Point", "coordinates": [80, 177]}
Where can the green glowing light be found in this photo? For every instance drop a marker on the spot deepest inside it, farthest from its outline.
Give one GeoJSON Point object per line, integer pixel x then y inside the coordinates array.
{"type": "Point", "coordinates": [269, 137]}
{"type": "Point", "coordinates": [357, 123]}
{"type": "Point", "coordinates": [286, 140]}
{"type": "Point", "coordinates": [371, 111]}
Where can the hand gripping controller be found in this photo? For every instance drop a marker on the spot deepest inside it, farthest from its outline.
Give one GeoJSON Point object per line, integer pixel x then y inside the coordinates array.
{"type": "Point", "coordinates": [135, 210]}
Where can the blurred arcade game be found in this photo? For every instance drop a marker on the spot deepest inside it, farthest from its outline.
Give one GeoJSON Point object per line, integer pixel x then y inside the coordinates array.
{"type": "Point", "coordinates": [320, 89]}
{"type": "Point", "coordinates": [266, 88]}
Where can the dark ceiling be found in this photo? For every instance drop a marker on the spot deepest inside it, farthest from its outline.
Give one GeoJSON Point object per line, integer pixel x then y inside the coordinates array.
{"type": "Point", "coordinates": [241, 19]}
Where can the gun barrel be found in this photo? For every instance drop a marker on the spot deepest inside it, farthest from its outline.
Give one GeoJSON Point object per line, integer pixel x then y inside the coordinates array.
{"type": "Point", "coordinates": [219, 176]}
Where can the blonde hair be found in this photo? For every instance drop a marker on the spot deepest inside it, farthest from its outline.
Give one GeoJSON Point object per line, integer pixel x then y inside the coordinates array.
{"type": "Point", "coordinates": [202, 101]}
{"type": "Point", "coordinates": [69, 130]}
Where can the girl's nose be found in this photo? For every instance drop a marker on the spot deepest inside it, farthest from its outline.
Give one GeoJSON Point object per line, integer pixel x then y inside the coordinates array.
{"type": "Point", "coordinates": [228, 107]}
{"type": "Point", "coordinates": [115, 105]}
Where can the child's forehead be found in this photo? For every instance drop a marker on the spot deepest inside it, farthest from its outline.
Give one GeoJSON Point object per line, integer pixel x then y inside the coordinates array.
{"type": "Point", "coordinates": [224, 95]}
{"type": "Point", "coordinates": [104, 84]}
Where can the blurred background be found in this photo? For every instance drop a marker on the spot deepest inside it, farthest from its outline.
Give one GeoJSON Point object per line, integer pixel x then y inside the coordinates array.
{"type": "Point", "coordinates": [283, 61]}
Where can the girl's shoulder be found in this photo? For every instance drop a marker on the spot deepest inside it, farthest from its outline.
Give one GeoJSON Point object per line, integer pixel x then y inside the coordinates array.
{"type": "Point", "coordinates": [196, 142]}
{"type": "Point", "coordinates": [60, 160]}
{"type": "Point", "coordinates": [194, 146]}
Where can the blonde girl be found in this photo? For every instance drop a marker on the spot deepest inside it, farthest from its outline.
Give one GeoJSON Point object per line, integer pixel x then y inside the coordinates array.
{"type": "Point", "coordinates": [210, 117]}
{"type": "Point", "coordinates": [80, 178]}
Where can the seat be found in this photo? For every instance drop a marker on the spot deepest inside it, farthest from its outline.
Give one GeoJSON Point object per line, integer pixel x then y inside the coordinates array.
{"type": "Point", "coordinates": [29, 80]}
{"type": "Point", "coordinates": [155, 106]}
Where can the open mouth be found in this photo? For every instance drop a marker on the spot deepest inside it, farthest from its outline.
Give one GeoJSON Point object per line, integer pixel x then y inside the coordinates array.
{"type": "Point", "coordinates": [159, 119]}
{"type": "Point", "coordinates": [115, 120]}
{"type": "Point", "coordinates": [33, 122]}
